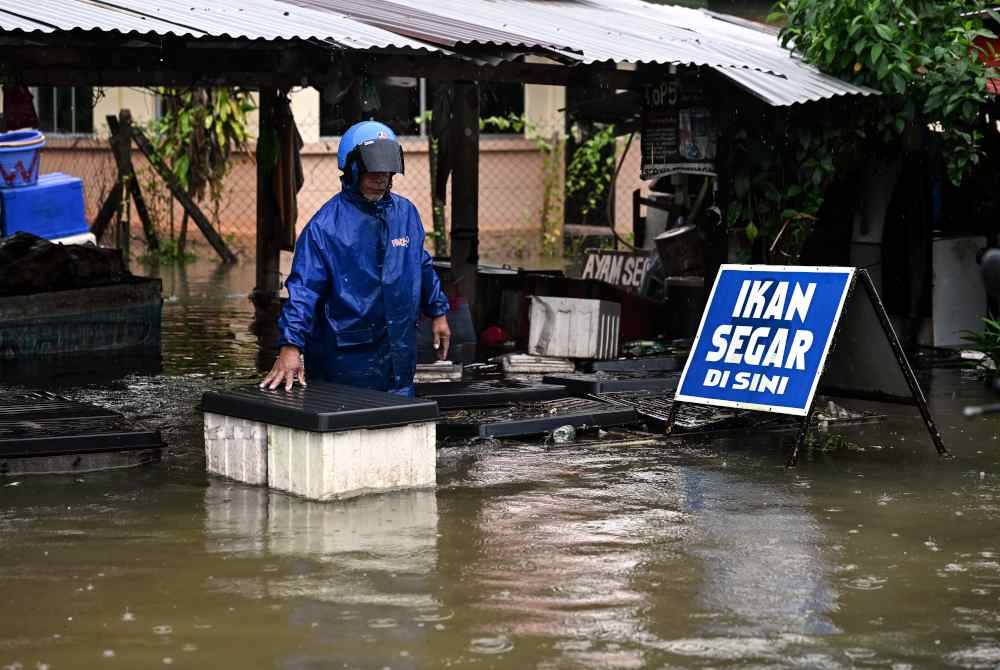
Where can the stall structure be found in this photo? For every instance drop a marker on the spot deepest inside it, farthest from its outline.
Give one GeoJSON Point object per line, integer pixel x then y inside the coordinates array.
{"type": "Point", "coordinates": [274, 45]}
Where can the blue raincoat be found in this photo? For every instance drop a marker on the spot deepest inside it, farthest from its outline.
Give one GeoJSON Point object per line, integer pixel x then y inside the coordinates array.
{"type": "Point", "coordinates": [359, 280]}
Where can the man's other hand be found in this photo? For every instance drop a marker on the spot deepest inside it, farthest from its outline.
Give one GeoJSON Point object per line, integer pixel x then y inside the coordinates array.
{"type": "Point", "coordinates": [442, 336]}
{"type": "Point", "coordinates": [286, 369]}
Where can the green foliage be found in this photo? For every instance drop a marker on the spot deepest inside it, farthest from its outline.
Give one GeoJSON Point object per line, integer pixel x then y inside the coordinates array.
{"type": "Point", "coordinates": [987, 342]}
{"type": "Point", "coordinates": [512, 123]}
{"type": "Point", "coordinates": [779, 178]}
{"type": "Point", "coordinates": [591, 168]}
{"type": "Point", "coordinates": [551, 216]}
{"type": "Point", "coordinates": [919, 53]}
{"type": "Point", "coordinates": [197, 133]}
{"type": "Point", "coordinates": [170, 252]}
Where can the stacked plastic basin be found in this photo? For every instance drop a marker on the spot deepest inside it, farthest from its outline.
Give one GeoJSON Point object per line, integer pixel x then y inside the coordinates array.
{"type": "Point", "coordinates": [49, 206]}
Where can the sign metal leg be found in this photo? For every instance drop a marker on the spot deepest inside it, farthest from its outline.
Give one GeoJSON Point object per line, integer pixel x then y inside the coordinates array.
{"type": "Point", "coordinates": [672, 416]}
{"type": "Point", "coordinates": [800, 440]}
{"type": "Point", "coordinates": [904, 365]}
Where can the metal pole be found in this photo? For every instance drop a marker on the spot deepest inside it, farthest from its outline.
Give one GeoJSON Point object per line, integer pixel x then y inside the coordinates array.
{"type": "Point", "coordinates": [904, 364]}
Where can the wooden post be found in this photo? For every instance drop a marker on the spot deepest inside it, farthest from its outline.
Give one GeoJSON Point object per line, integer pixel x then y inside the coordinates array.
{"type": "Point", "coordinates": [183, 197]}
{"type": "Point", "coordinates": [122, 147]}
{"type": "Point", "coordinates": [265, 295]}
{"type": "Point", "coordinates": [465, 192]}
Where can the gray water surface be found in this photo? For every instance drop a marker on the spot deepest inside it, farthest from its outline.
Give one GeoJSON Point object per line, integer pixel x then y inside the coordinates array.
{"type": "Point", "coordinates": [684, 554]}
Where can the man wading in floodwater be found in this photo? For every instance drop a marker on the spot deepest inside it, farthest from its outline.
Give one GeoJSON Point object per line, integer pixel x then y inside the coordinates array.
{"type": "Point", "coordinates": [359, 279]}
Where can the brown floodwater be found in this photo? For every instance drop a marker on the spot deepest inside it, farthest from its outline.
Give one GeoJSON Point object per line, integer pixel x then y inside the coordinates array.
{"type": "Point", "coordinates": [690, 553]}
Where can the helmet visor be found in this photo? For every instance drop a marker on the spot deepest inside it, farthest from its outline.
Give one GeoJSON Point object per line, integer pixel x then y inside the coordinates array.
{"type": "Point", "coordinates": [383, 155]}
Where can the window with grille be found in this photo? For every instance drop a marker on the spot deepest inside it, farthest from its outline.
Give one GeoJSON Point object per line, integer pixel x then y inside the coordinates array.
{"type": "Point", "coordinates": [400, 103]}
{"type": "Point", "coordinates": [65, 110]}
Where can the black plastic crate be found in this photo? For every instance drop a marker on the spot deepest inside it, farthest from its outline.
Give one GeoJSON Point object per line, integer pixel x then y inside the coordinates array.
{"type": "Point", "coordinates": [40, 424]}
{"type": "Point", "coordinates": [536, 418]}
{"type": "Point", "coordinates": [492, 393]}
{"type": "Point", "coordinates": [56, 437]}
{"type": "Point", "coordinates": [320, 407]}
{"type": "Point", "coordinates": [648, 364]}
{"type": "Point", "coordinates": [600, 382]}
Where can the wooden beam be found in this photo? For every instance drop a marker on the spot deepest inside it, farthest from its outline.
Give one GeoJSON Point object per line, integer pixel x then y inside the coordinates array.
{"type": "Point", "coordinates": [121, 145]}
{"type": "Point", "coordinates": [269, 240]}
{"type": "Point", "coordinates": [183, 197]}
{"type": "Point", "coordinates": [107, 212]}
{"type": "Point", "coordinates": [465, 192]}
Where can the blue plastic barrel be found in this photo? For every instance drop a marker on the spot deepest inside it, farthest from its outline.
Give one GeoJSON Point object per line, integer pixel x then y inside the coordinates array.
{"type": "Point", "coordinates": [20, 158]}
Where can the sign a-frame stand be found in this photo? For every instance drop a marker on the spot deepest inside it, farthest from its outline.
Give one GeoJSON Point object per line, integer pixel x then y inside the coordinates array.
{"type": "Point", "coordinates": [863, 360]}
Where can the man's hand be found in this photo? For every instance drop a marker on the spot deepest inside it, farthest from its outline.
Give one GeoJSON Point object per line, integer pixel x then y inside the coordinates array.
{"type": "Point", "coordinates": [442, 336]}
{"type": "Point", "coordinates": [286, 370]}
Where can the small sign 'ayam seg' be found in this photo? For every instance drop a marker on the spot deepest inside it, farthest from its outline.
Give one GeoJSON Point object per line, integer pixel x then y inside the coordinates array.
{"type": "Point", "coordinates": [619, 268]}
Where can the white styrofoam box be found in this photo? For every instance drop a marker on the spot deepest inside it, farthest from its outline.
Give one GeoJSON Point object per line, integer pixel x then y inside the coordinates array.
{"type": "Point", "coordinates": [236, 448]}
{"type": "Point", "coordinates": [574, 327]}
{"type": "Point", "coordinates": [328, 466]}
{"type": "Point", "coordinates": [398, 530]}
{"type": "Point", "coordinates": [521, 364]}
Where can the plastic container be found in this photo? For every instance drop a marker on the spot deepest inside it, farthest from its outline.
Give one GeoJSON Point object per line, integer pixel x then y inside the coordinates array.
{"type": "Point", "coordinates": [53, 208]}
{"type": "Point", "coordinates": [20, 158]}
{"type": "Point", "coordinates": [574, 327]}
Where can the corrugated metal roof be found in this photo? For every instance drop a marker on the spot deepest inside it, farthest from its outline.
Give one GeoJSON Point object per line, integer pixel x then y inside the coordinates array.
{"type": "Point", "coordinates": [246, 19]}
{"type": "Point", "coordinates": [617, 31]}
{"type": "Point", "coordinates": [421, 23]}
{"type": "Point", "coordinates": [585, 31]}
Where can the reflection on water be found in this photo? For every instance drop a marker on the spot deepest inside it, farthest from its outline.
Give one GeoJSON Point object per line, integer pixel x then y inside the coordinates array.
{"type": "Point", "coordinates": [761, 550]}
{"type": "Point", "coordinates": [675, 555]}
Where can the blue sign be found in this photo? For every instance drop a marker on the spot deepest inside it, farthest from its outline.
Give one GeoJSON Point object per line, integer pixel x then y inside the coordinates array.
{"type": "Point", "coordinates": [764, 337]}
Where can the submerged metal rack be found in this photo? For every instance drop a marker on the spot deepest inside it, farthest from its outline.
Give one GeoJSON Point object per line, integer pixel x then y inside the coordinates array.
{"type": "Point", "coordinates": [535, 418]}
{"type": "Point", "coordinates": [690, 418]}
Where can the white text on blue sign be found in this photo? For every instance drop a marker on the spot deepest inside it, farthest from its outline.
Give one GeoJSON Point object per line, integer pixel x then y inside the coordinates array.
{"type": "Point", "coordinates": [764, 336]}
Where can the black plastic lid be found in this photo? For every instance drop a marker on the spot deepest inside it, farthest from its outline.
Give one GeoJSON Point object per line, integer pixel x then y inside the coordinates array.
{"type": "Point", "coordinates": [650, 363]}
{"type": "Point", "coordinates": [320, 407]}
{"type": "Point", "coordinates": [604, 383]}
{"type": "Point", "coordinates": [493, 393]}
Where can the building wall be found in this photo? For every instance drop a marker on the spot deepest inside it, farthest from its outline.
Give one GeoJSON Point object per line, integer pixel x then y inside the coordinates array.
{"type": "Point", "coordinates": [511, 175]}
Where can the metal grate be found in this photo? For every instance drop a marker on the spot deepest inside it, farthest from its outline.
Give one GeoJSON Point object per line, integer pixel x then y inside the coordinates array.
{"type": "Point", "coordinates": [656, 406]}
{"type": "Point", "coordinates": [61, 436]}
